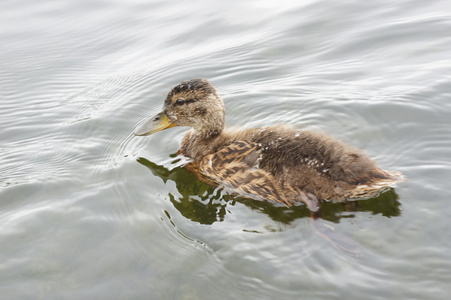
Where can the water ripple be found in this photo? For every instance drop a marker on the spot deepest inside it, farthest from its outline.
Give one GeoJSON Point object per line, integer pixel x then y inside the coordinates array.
{"type": "Point", "coordinates": [88, 209]}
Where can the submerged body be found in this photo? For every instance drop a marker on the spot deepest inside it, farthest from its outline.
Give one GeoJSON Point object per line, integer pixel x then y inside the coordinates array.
{"type": "Point", "coordinates": [273, 163]}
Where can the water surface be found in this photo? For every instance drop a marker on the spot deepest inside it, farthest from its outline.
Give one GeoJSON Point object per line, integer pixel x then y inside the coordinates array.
{"type": "Point", "coordinates": [89, 211]}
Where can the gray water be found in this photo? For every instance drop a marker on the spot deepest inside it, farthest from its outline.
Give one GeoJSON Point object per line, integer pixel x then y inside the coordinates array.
{"type": "Point", "coordinates": [88, 211]}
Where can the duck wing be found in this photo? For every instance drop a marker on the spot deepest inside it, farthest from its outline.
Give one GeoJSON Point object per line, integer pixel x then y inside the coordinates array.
{"type": "Point", "coordinates": [236, 168]}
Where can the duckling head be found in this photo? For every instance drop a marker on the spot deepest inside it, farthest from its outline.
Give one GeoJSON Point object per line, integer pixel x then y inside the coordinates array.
{"type": "Point", "coordinates": [192, 103]}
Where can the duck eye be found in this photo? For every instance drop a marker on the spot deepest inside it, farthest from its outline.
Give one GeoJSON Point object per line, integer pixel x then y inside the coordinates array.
{"type": "Point", "coordinates": [179, 102]}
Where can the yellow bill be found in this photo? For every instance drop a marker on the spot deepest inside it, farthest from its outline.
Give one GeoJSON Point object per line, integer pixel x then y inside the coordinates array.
{"type": "Point", "coordinates": [155, 124]}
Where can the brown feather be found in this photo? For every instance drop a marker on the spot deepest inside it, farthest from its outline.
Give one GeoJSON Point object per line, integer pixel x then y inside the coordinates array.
{"type": "Point", "coordinates": [275, 163]}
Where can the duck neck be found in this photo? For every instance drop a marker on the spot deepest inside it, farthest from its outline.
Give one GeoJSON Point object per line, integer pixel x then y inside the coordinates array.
{"type": "Point", "coordinates": [197, 144]}
{"type": "Point", "coordinates": [206, 132]}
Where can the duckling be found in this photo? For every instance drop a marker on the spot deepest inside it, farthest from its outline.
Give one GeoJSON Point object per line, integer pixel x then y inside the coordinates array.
{"type": "Point", "coordinates": [275, 163]}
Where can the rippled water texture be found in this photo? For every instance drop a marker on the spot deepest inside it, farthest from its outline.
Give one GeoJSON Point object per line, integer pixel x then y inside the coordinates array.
{"type": "Point", "coordinates": [88, 211]}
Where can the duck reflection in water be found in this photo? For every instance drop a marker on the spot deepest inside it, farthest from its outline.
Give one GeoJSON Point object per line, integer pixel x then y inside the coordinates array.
{"type": "Point", "coordinates": [275, 163]}
{"type": "Point", "coordinates": [206, 204]}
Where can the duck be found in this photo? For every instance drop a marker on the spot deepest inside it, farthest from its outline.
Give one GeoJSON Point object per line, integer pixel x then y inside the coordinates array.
{"type": "Point", "coordinates": [275, 163]}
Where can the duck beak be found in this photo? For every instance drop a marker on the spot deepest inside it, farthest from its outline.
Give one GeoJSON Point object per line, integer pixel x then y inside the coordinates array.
{"type": "Point", "coordinates": [155, 124]}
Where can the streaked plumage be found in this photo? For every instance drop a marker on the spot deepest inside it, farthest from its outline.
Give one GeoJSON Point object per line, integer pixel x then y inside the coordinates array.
{"type": "Point", "coordinates": [275, 163]}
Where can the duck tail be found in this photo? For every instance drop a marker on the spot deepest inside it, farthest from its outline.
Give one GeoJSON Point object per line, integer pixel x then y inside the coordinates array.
{"type": "Point", "coordinates": [395, 177]}
{"type": "Point", "coordinates": [376, 186]}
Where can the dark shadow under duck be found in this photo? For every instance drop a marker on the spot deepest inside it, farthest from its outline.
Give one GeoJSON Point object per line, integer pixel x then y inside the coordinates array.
{"type": "Point", "coordinates": [204, 204]}
{"type": "Point", "coordinates": [275, 163]}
